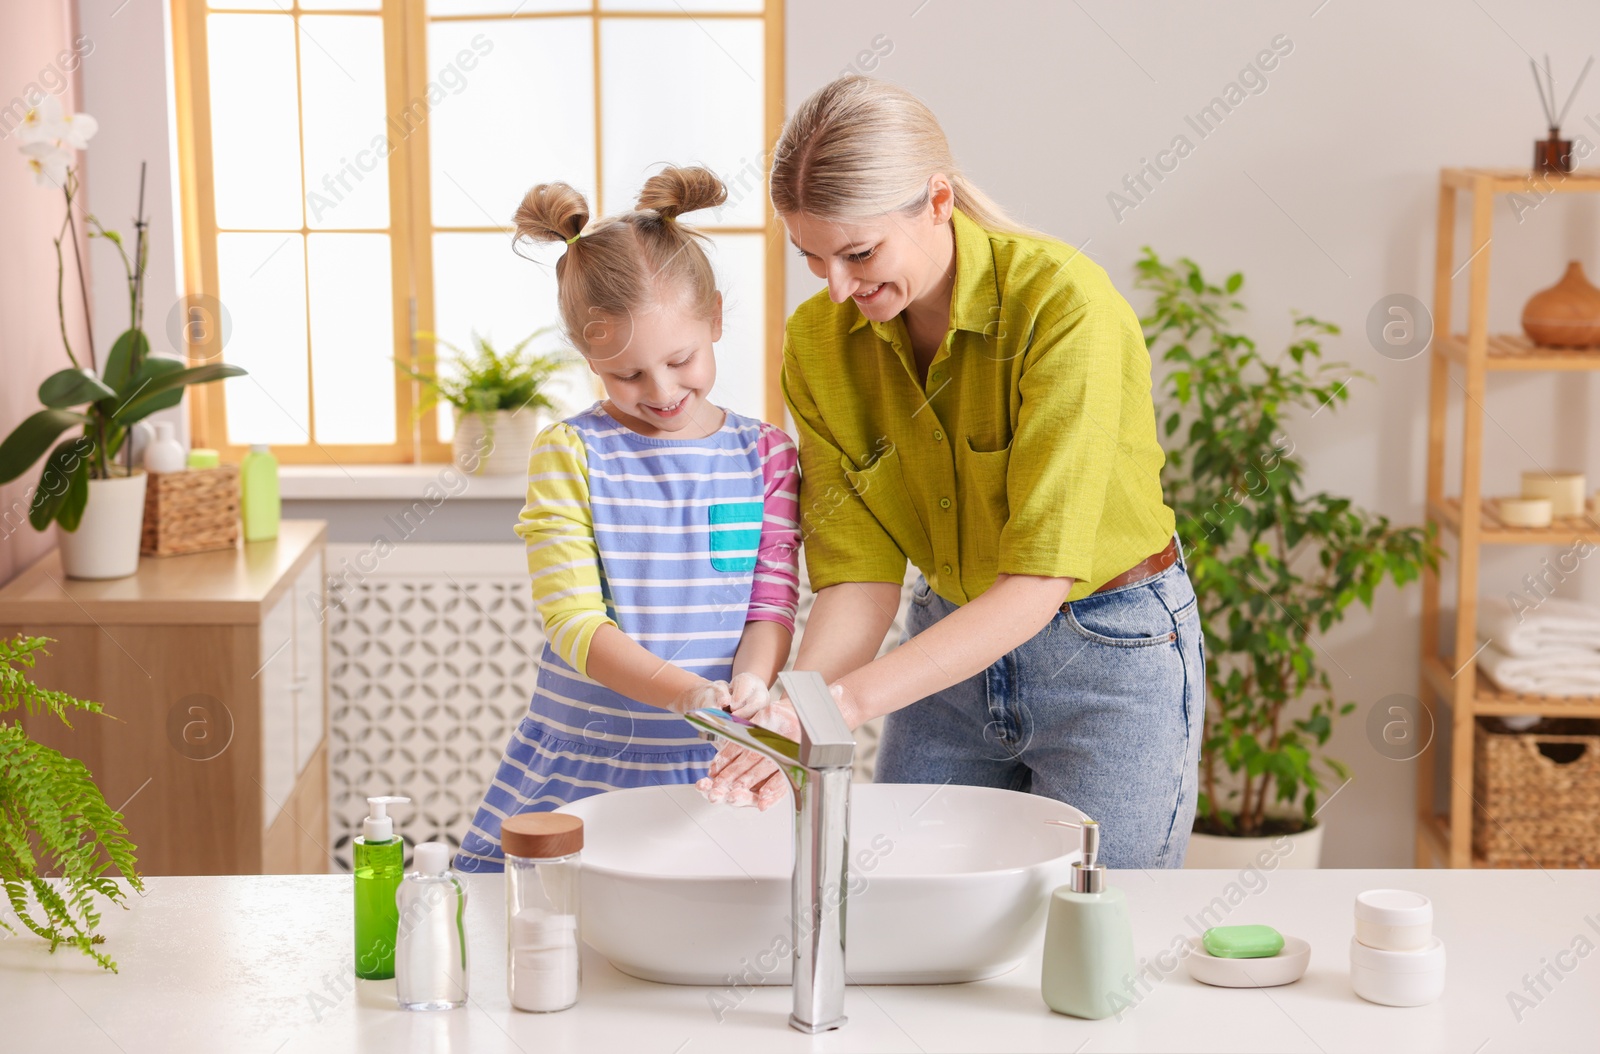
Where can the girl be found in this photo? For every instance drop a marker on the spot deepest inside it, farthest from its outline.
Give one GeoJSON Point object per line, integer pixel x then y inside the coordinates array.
{"type": "Point", "coordinates": [661, 529]}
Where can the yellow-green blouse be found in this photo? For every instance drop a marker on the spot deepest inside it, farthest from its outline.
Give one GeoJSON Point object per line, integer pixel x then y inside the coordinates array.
{"type": "Point", "coordinates": [1031, 449]}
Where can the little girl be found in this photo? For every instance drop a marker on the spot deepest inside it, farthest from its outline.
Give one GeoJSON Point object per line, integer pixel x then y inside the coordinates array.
{"type": "Point", "coordinates": [661, 529]}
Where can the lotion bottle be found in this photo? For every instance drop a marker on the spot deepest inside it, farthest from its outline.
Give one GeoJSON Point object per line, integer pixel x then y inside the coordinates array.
{"type": "Point", "coordinates": [430, 957]}
{"type": "Point", "coordinates": [379, 855]}
{"type": "Point", "coordinates": [1088, 940]}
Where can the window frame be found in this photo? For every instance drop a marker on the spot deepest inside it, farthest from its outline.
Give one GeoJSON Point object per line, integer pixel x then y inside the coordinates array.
{"type": "Point", "coordinates": [411, 227]}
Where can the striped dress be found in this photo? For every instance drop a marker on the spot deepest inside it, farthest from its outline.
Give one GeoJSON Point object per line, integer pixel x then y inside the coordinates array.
{"type": "Point", "coordinates": [676, 542]}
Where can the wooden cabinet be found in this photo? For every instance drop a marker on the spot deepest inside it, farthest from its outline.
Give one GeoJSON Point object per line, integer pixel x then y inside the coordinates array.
{"type": "Point", "coordinates": [212, 669]}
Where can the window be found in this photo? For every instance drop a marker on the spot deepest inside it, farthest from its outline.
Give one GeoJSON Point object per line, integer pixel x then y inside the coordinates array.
{"type": "Point", "coordinates": [350, 167]}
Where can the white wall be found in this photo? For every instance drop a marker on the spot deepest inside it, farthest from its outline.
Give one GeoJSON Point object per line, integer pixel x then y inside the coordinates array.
{"type": "Point", "coordinates": [1322, 189]}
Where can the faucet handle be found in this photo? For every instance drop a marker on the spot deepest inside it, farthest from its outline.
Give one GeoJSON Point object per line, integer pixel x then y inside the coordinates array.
{"type": "Point", "coordinates": [825, 739]}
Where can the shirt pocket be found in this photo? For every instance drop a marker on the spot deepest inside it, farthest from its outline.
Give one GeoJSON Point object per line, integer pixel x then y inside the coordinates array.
{"type": "Point", "coordinates": [984, 481]}
{"type": "Point", "coordinates": [735, 535]}
{"type": "Point", "coordinates": [882, 489]}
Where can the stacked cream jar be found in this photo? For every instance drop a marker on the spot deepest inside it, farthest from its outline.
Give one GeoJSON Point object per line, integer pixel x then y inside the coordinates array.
{"type": "Point", "coordinates": [1394, 957]}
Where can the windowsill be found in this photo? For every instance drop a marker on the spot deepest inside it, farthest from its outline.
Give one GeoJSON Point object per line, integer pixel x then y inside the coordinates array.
{"type": "Point", "coordinates": [394, 483]}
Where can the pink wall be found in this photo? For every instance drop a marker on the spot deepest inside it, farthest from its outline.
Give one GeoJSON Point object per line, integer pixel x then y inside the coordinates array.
{"type": "Point", "coordinates": [36, 33]}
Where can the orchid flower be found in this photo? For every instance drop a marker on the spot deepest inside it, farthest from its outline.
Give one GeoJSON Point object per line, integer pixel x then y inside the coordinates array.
{"type": "Point", "coordinates": [49, 162]}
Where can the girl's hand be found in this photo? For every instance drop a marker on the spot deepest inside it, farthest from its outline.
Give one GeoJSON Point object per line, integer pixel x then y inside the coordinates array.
{"type": "Point", "coordinates": [704, 695]}
{"type": "Point", "coordinates": [744, 777]}
{"type": "Point", "coordinates": [745, 696]}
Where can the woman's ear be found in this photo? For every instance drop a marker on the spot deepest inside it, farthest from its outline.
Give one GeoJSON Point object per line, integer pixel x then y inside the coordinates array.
{"type": "Point", "coordinates": [716, 320]}
{"type": "Point", "coordinates": [941, 197]}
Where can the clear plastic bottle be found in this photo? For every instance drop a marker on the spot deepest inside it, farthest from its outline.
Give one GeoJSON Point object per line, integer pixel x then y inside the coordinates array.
{"type": "Point", "coordinates": [379, 856]}
{"type": "Point", "coordinates": [430, 957]}
{"type": "Point", "coordinates": [543, 869]}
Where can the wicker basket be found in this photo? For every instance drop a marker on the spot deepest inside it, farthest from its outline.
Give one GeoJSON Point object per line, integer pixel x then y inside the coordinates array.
{"type": "Point", "coordinates": [191, 511]}
{"type": "Point", "coordinates": [1537, 794]}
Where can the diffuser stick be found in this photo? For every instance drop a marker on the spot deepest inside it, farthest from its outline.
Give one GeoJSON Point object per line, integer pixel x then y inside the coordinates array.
{"type": "Point", "coordinates": [1568, 104]}
{"type": "Point", "coordinates": [1549, 118]}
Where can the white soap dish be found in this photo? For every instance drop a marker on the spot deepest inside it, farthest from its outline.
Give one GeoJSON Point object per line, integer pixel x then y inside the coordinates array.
{"type": "Point", "coordinates": [1288, 966]}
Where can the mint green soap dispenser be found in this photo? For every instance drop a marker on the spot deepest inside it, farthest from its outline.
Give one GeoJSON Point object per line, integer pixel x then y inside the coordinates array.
{"type": "Point", "coordinates": [379, 857]}
{"type": "Point", "coordinates": [260, 505]}
{"type": "Point", "coordinates": [1088, 940]}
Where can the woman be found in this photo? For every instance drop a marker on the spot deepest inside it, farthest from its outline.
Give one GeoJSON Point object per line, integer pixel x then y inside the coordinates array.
{"type": "Point", "coordinates": [975, 397]}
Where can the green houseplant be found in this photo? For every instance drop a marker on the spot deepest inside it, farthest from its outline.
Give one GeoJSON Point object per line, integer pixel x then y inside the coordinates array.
{"type": "Point", "coordinates": [1273, 566]}
{"type": "Point", "coordinates": [501, 398]}
{"type": "Point", "coordinates": [101, 404]}
{"type": "Point", "coordinates": [53, 819]}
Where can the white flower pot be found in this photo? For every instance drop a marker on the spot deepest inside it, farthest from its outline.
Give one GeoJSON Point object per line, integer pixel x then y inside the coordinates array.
{"type": "Point", "coordinates": [1299, 851]}
{"type": "Point", "coordinates": [106, 543]}
{"type": "Point", "coordinates": [501, 448]}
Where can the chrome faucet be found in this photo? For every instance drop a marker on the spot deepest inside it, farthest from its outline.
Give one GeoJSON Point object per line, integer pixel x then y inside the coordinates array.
{"type": "Point", "coordinates": [818, 768]}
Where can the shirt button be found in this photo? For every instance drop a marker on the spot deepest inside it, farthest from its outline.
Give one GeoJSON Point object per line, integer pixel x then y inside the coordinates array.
{"type": "Point", "coordinates": [944, 503]}
{"type": "Point", "coordinates": [938, 436]}
{"type": "Point", "coordinates": [938, 375]}
{"type": "Point", "coordinates": [947, 569]}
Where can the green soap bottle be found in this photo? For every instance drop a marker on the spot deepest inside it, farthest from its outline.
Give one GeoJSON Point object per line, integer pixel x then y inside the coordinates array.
{"type": "Point", "coordinates": [379, 856]}
{"type": "Point", "coordinates": [1088, 942]}
{"type": "Point", "coordinates": [259, 504]}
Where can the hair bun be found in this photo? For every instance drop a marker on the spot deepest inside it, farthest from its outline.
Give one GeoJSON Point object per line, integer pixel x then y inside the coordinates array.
{"type": "Point", "coordinates": [551, 212]}
{"type": "Point", "coordinates": [674, 191]}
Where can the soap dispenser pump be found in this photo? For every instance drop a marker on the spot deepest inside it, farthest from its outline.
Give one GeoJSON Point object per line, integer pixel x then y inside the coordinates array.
{"type": "Point", "coordinates": [1088, 940]}
{"type": "Point", "coordinates": [378, 855]}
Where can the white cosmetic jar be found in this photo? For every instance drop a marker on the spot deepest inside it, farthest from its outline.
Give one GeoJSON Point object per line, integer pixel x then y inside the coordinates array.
{"type": "Point", "coordinates": [1395, 920]}
{"type": "Point", "coordinates": [1397, 978]}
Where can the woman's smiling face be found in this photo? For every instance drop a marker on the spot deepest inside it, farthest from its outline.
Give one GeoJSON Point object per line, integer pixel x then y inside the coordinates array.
{"type": "Point", "coordinates": [884, 264]}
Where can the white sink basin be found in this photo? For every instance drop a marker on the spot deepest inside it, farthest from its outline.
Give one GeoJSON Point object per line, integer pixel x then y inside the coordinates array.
{"type": "Point", "coordinates": [946, 883]}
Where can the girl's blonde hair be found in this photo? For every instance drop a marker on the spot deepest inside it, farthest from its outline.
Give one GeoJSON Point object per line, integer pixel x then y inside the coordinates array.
{"type": "Point", "coordinates": [625, 263]}
{"type": "Point", "coordinates": [860, 148]}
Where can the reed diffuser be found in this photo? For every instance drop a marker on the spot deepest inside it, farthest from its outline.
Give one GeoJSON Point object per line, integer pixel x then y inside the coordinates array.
{"type": "Point", "coordinates": [1555, 153]}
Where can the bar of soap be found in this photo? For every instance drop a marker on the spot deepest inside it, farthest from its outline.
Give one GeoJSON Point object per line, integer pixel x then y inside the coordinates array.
{"type": "Point", "coordinates": [1242, 942]}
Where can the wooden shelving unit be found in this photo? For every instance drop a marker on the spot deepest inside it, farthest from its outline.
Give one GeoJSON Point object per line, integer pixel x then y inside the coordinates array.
{"type": "Point", "coordinates": [1461, 686]}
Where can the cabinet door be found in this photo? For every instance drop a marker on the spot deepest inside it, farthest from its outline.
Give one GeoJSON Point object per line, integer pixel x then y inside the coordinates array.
{"type": "Point", "coordinates": [276, 678]}
{"type": "Point", "coordinates": [310, 682]}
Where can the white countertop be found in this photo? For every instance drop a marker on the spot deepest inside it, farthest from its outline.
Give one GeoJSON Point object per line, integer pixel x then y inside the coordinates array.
{"type": "Point", "coordinates": [249, 964]}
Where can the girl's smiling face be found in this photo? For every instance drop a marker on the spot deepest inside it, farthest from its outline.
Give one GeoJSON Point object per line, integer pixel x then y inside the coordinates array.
{"type": "Point", "coordinates": [884, 264]}
{"type": "Point", "coordinates": [658, 370]}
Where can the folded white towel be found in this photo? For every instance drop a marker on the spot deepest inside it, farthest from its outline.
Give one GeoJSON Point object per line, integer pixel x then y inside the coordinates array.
{"type": "Point", "coordinates": [1556, 625]}
{"type": "Point", "coordinates": [1551, 673]}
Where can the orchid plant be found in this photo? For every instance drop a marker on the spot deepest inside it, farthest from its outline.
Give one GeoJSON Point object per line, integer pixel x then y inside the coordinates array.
{"type": "Point", "coordinates": [104, 402]}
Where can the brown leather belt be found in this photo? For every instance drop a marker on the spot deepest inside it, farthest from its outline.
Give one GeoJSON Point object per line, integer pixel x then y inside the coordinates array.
{"type": "Point", "coordinates": [1149, 567]}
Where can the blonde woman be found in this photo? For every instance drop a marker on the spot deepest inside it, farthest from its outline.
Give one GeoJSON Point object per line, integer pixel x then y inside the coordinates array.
{"type": "Point", "coordinates": [975, 397]}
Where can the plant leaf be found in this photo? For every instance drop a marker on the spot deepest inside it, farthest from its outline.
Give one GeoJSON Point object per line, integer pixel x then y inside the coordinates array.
{"type": "Point", "coordinates": [29, 440]}
{"type": "Point", "coordinates": [70, 515]}
{"type": "Point", "coordinates": [72, 387]}
{"type": "Point", "coordinates": [119, 363]}
{"type": "Point", "coordinates": [161, 385]}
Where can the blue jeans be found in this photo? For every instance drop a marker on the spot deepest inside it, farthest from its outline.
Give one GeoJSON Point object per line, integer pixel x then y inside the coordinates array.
{"type": "Point", "coordinates": [1103, 709]}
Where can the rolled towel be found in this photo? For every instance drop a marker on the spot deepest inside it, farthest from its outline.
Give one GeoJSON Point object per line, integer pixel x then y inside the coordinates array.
{"type": "Point", "coordinates": [1550, 673]}
{"type": "Point", "coordinates": [1556, 625]}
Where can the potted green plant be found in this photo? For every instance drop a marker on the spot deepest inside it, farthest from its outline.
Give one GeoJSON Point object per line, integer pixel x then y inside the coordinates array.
{"type": "Point", "coordinates": [58, 837]}
{"type": "Point", "coordinates": [501, 399]}
{"type": "Point", "coordinates": [1273, 566]}
{"type": "Point", "coordinates": [97, 502]}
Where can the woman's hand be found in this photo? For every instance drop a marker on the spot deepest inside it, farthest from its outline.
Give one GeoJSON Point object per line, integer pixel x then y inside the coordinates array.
{"type": "Point", "coordinates": [745, 696]}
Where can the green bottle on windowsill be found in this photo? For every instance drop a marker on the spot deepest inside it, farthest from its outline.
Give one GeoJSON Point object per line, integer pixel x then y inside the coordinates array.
{"type": "Point", "coordinates": [259, 505]}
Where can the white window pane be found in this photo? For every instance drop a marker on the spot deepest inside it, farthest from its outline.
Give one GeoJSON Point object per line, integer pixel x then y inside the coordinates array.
{"type": "Point", "coordinates": [341, 79]}
{"type": "Point", "coordinates": [522, 114]}
{"type": "Point", "coordinates": [340, 5]}
{"type": "Point", "coordinates": [352, 337]}
{"type": "Point", "coordinates": [741, 264]}
{"type": "Point", "coordinates": [503, 7]}
{"type": "Point", "coordinates": [680, 6]}
{"type": "Point", "coordinates": [685, 92]}
{"type": "Point", "coordinates": [480, 285]}
{"type": "Point", "coordinates": [248, 5]}
{"type": "Point", "coordinates": [255, 127]}
{"type": "Point", "coordinates": [261, 282]}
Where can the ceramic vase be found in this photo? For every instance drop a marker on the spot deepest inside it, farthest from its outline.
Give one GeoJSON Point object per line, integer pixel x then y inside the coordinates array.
{"type": "Point", "coordinates": [496, 444]}
{"type": "Point", "coordinates": [1567, 315]}
{"type": "Point", "coordinates": [1295, 851]}
{"type": "Point", "coordinates": [106, 543]}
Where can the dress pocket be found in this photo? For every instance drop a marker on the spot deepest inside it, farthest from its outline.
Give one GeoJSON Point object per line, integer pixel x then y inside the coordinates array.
{"type": "Point", "coordinates": [735, 535]}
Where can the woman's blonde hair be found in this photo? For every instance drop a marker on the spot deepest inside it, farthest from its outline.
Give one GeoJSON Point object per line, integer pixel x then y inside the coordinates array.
{"type": "Point", "coordinates": [625, 263]}
{"type": "Point", "coordinates": [860, 148]}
